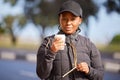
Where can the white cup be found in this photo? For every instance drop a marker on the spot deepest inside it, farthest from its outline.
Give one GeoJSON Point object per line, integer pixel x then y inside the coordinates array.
{"type": "Point", "coordinates": [62, 37]}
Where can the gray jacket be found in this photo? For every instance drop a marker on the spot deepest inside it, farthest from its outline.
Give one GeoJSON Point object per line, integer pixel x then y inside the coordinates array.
{"type": "Point", "coordinates": [53, 66]}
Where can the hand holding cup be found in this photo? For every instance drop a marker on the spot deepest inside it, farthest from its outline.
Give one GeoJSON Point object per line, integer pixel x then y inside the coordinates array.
{"type": "Point", "coordinates": [58, 43]}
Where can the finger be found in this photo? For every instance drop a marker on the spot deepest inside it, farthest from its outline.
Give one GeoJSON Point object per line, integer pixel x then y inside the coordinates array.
{"type": "Point", "coordinates": [79, 67]}
{"type": "Point", "coordinates": [85, 67]}
{"type": "Point", "coordinates": [82, 67]}
{"type": "Point", "coordinates": [84, 64]}
{"type": "Point", "coordinates": [57, 39]}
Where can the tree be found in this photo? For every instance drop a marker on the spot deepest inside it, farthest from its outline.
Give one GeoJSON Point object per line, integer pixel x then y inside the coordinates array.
{"type": "Point", "coordinates": [89, 9]}
{"type": "Point", "coordinates": [13, 2]}
{"type": "Point", "coordinates": [44, 12]}
{"type": "Point", "coordinates": [2, 29]}
{"type": "Point", "coordinates": [10, 28]}
{"type": "Point", "coordinates": [7, 24]}
{"type": "Point", "coordinates": [8, 20]}
{"type": "Point", "coordinates": [112, 6]}
{"type": "Point", "coordinates": [116, 40]}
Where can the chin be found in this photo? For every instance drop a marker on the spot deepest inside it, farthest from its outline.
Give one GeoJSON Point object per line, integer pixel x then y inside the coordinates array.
{"type": "Point", "coordinates": [68, 32]}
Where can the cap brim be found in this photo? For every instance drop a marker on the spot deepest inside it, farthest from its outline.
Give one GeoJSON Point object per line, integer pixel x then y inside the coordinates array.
{"type": "Point", "coordinates": [74, 13]}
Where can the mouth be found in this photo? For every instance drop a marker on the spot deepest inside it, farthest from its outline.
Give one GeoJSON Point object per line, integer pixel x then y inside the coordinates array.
{"type": "Point", "coordinates": [68, 28]}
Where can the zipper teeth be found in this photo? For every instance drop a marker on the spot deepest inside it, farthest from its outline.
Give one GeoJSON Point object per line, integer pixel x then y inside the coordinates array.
{"type": "Point", "coordinates": [61, 65]}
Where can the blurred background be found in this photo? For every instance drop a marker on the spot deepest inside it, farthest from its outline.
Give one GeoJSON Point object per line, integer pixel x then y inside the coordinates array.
{"type": "Point", "coordinates": [24, 24]}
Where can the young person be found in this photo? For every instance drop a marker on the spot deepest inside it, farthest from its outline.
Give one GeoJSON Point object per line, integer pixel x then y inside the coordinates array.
{"type": "Point", "coordinates": [75, 59]}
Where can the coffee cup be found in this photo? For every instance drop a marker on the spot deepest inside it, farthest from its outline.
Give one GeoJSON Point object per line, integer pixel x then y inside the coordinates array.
{"type": "Point", "coordinates": [62, 37]}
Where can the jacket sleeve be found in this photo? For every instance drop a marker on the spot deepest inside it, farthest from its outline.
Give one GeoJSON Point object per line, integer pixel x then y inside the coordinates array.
{"type": "Point", "coordinates": [44, 60]}
{"type": "Point", "coordinates": [96, 69]}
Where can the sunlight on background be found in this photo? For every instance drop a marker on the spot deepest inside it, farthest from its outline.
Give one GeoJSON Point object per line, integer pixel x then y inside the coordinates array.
{"type": "Point", "coordinates": [101, 30]}
{"type": "Point", "coordinates": [105, 28]}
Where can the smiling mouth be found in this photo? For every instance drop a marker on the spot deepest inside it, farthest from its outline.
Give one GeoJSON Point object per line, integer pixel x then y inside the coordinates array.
{"type": "Point", "coordinates": [68, 28]}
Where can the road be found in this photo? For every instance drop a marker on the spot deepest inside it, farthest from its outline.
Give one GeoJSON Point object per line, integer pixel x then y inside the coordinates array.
{"type": "Point", "coordinates": [17, 70]}
{"type": "Point", "coordinates": [24, 70]}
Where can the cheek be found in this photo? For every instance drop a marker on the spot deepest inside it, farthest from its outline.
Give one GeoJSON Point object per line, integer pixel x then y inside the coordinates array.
{"type": "Point", "coordinates": [76, 24]}
{"type": "Point", "coordinates": [62, 23]}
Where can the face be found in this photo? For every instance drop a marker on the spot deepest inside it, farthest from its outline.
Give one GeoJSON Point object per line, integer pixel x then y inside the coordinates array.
{"type": "Point", "coordinates": [69, 23]}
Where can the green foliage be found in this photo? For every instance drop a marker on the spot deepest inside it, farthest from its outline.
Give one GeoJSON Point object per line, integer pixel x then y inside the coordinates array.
{"type": "Point", "coordinates": [8, 22]}
{"type": "Point", "coordinates": [116, 40]}
{"type": "Point", "coordinates": [89, 9]}
{"type": "Point", "coordinates": [2, 30]}
{"type": "Point", "coordinates": [111, 48]}
{"type": "Point", "coordinates": [112, 6]}
{"type": "Point", "coordinates": [21, 21]}
{"type": "Point", "coordinates": [12, 2]}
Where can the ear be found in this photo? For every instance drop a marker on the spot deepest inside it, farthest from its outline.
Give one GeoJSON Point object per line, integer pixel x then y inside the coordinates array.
{"type": "Point", "coordinates": [59, 18]}
{"type": "Point", "coordinates": [80, 21]}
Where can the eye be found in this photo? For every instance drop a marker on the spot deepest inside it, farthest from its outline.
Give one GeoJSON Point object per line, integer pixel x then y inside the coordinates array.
{"type": "Point", "coordinates": [73, 18]}
{"type": "Point", "coordinates": [64, 19]}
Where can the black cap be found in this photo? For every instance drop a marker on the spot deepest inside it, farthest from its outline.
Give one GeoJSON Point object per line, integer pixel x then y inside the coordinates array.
{"type": "Point", "coordinates": [72, 7]}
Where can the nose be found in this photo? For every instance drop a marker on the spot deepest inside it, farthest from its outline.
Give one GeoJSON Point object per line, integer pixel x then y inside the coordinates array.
{"type": "Point", "coordinates": [68, 22]}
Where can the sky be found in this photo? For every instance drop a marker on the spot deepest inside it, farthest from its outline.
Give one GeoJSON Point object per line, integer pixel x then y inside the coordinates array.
{"type": "Point", "coordinates": [101, 31]}
{"type": "Point", "coordinates": [107, 26]}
